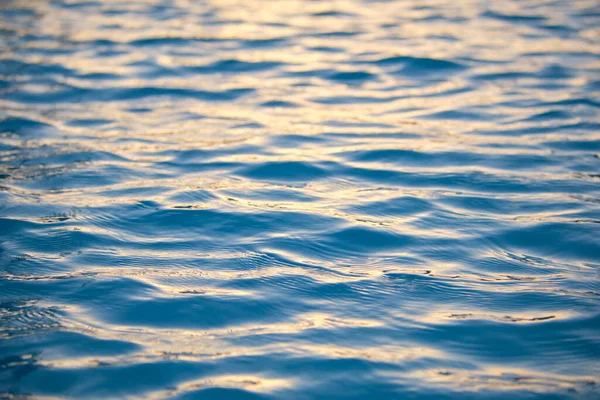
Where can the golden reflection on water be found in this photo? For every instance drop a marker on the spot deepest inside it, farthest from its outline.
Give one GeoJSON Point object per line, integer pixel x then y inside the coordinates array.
{"type": "Point", "coordinates": [462, 112]}
{"type": "Point", "coordinates": [493, 379]}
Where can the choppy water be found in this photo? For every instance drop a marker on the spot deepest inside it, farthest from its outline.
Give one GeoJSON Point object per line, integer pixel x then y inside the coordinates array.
{"type": "Point", "coordinates": [300, 200]}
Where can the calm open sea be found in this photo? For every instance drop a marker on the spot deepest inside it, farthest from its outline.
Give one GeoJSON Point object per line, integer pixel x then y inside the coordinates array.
{"type": "Point", "coordinates": [245, 199]}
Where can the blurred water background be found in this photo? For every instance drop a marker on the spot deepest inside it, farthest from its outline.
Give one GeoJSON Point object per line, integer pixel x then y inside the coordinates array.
{"type": "Point", "coordinates": [300, 199]}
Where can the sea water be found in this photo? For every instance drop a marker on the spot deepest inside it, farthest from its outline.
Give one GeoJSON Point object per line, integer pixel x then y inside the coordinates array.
{"type": "Point", "coordinates": [291, 199]}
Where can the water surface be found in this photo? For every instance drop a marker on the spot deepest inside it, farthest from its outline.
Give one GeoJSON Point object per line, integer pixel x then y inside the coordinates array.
{"type": "Point", "coordinates": [300, 199]}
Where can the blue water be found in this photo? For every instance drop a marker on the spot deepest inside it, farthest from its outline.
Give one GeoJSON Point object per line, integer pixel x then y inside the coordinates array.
{"type": "Point", "coordinates": [291, 199]}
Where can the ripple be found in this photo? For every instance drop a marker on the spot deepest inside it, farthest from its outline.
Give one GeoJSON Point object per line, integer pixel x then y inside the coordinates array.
{"type": "Point", "coordinates": [417, 67]}
{"type": "Point", "coordinates": [283, 200]}
{"type": "Point", "coordinates": [24, 127]}
{"type": "Point", "coordinates": [234, 66]}
{"type": "Point", "coordinates": [299, 171]}
{"type": "Point", "coordinates": [75, 94]}
{"type": "Point", "coordinates": [355, 76]}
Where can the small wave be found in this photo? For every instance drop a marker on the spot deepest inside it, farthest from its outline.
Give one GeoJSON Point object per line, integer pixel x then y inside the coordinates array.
{"type": "Point", "coordinates": [282, 200]}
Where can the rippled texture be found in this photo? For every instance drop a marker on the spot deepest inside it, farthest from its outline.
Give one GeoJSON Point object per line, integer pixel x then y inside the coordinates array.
{"type": "Point", "coordinates": [300, 200]}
